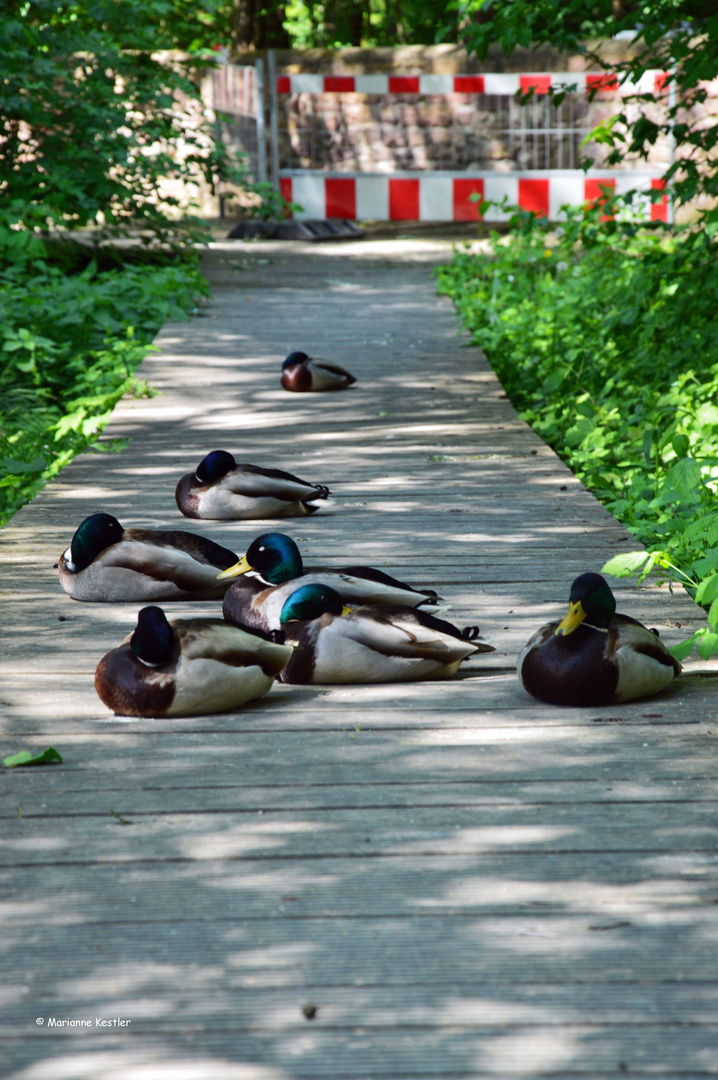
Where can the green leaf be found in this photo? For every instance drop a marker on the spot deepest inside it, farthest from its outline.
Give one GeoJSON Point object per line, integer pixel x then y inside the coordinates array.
{"type": "Point", "coordinates": [625, 565]}
{"type": "Point", "coordinates": [647, 443]}
{"type": "Point", "coordinates": [707, 646]}
{"type": "Point", "coordinates": [707, 590]}
{"type": "Point", "coordinates": [680, 444]}
{"type": "Point", "coordinates": [26, 758]}
{"type": "Point", "coordinates": [713, 615]}
{"type": "Point", "coordinates": [10, 465]}
{"type": "Point", "coordinates": [683, 649]}
{"type": "Point", "coordinates": [707, 415]}
{"type": "Point", "coordinates": [553, 381]}
{"type": "Point", "coordinates": [578, 432]}
{"type": "Point", "coordinates": [683, 477]}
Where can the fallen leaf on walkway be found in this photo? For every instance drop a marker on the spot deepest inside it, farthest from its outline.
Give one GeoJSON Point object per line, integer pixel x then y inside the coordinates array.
{"type": "Point", "coordinates": [26, 758]}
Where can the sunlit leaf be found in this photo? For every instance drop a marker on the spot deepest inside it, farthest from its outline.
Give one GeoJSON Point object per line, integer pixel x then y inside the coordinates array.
{"type": "Point", "coordinates": [625, 565]}
{"type": "Point", "coordinates": [47, 757]}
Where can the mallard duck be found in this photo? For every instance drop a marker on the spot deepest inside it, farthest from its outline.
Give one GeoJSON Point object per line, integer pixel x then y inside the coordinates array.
{"type": "Point", "coordinates": [368, 644]}
{"type": "Point", "coordinates": [594, 656]}
{"type": "Point", "coordinates": [300, 373]}
{"type": "Point", "coordinates": [106, 562]}
{"type": "Point", "coordinates": [223, 490]}
{"type": "Point", "coordinates": [275, 569]}
{"type": "Point", "coordinates": [186, 667]}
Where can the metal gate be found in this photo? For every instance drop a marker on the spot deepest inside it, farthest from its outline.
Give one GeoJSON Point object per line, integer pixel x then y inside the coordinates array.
{"type": "Point", "coordinates": [415, 147]}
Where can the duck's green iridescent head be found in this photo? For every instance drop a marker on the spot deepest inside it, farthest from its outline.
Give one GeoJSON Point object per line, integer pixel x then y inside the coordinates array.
{"type": "Point", "coordinates": [97, 532]}
{"type": "Point", "coordinates": [153, 641]}
{"type": "Point", "coordinates": [311, 602]}
{"type": "Point", "coordinates": [295, 358]}
{"type": "Point", "coordinates": [592, 601]}
{"type": "Point", "coordinates": [273, 556]}
{"type": "Point", "coordinates": [213, 467]}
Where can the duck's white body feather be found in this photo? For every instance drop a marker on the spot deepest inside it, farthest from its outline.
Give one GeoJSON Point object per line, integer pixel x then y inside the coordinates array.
{"type": "Point", "coordinates": [639, 673]}
{"type": "Point", "coordinates": [369, 645]}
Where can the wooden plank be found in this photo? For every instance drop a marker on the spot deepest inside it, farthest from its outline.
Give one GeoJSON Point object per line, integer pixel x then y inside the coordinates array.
{"type": "Point", "coordinates": [274, 952]}
{"type": "Point", "coordinates": [407, 1006]}
{"type": "Point", "coordinates": [580, 1052]}
{"type": "Point", "coordinates": [469, 883]}
{"type": "Point", "coordinates": [602, 888]}
{"type": "Point", "coordinates": [340, 832]}
{"type": "Point", "coordinates": [69, 795]}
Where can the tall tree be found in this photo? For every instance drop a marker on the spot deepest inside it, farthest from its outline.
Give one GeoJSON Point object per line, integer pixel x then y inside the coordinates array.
{"type": "Point", "coordinates": [94, 119]}
{"type": "Point", "coordinates": [257, 25]}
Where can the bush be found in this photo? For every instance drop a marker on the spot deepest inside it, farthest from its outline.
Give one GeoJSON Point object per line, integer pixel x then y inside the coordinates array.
{"type": "Point", "coordinates": [603, 333]}
{"type": "Point", "coordinates": [101, 105]}
{"type": "Point", "coordinates": [73, 334]}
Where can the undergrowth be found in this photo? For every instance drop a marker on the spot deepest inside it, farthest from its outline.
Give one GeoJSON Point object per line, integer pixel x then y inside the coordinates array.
{"type": "Point", "coordinates": [74, 326]}
{"type": "Point", "coordinates": [604, 335]}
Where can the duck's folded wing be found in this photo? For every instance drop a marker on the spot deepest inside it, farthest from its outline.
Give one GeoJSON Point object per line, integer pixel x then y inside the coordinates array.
{"type": "Point", "coordinates": [191, 564]}
{"type": "Point", "coordinates": [199, 548]}
{"type": "Point", "coordinates": [214, 639]}
{"type": "Point", "coordinates": [369, 573]}
{"type": "Point", "coordinates": [401, 634]}
{"type": "Point", "coordinates": [252, 481]}
{"type": "Point", "coordinates": [335, 369]}
{"type": "Point", "coordinates": [627, 633]}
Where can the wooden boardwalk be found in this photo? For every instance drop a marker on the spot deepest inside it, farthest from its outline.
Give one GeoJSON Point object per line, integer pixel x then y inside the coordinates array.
{"type": "Point", "coordinates": [439, 880]}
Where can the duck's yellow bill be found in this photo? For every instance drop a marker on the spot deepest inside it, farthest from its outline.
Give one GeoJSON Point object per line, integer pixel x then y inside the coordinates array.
{"type": "Point", "coordinates": [241, 567]}
{"type": "Point", "coordinates": [573, 620]}
{"type": "Point", "coordinates": [346, 610]}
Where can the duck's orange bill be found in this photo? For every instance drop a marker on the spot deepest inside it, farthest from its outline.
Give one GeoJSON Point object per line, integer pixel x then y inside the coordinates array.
{"type": "Point", "coordinates": [573, 620]}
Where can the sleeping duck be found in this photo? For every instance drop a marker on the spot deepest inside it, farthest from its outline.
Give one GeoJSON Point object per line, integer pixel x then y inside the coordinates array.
{"type": "Point", "coordinates": [275, 570]}
{"type": "Point", "coordinates": [106, 562]}
{"type": "Point", "coordinates": [594, 656]}
{"type": "Point", "coordinates": [186, 667]}
{"type": "Point", "coordinates": [368, 644]}
{"type": "Point", "coordinates": [223, 490]}
{"type": "Point", "coordinates": [301, 373]}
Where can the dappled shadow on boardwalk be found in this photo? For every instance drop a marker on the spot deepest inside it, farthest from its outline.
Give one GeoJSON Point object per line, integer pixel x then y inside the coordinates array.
{"type": "Point", "coordinates": [462, 882]}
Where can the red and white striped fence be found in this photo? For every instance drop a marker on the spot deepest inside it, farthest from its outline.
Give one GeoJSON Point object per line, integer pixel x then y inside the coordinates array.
{"type": "Point", "coordinates": [438, 195]}
{"type": "Point", "coordinates": [502, 84]}
{"type": "Point", "coordinates": [441, 196]}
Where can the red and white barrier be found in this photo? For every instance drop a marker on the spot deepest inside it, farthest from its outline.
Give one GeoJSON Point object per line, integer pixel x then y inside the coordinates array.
{"type": "Point", "coordinates": [503, 84]}
{"type": "Point", "coordinates": [441, 196]}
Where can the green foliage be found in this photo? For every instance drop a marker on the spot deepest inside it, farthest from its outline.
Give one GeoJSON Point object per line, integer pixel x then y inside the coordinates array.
{"type": "Point", "coordinates": [676, 36]}
{"type": "Point", "coordinates": [271, 206]}
{"type": "Point", "coordinates": [69, 345]}
{"type": "Point", "coordinates": [604, 335]}
{"type": "Point", "coordinates": [96, 118]}
{"type": "Point", "coordinates": [337, 23]}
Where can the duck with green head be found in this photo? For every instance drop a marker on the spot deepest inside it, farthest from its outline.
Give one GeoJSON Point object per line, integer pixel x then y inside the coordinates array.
{"type": "Point", "coordinates": [272, 569]}
{"type": "Point", "coordinates": [106, 562]}
{"type": "Point", "coordinates": [335, 643]}
{"type": "Point", "coordinates": [187, 667]}
{"type": "Point", "coordinates": [595, 656]}
{"type": "Point", "coordinates": [302, 374]}
{"type": "Point", "coordinates": [222, 490]}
